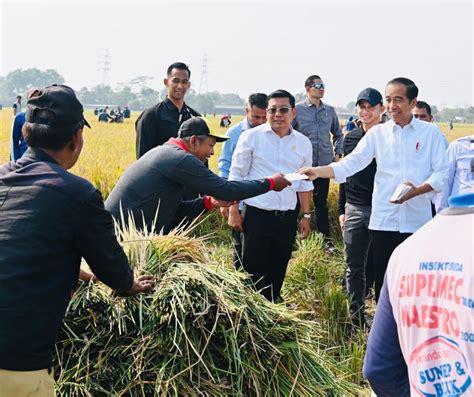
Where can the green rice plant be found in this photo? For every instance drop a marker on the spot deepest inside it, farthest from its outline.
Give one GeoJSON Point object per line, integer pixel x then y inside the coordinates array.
{"type": "Point", "coordinates": [353, 352]}
{"type": "Point", "coordinates": [335, 312]}
{"type": "Point", "coordinates": [310, 271]}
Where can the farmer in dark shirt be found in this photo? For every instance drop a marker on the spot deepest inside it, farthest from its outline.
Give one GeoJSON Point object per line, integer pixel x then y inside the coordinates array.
{"type": "Point", "coordinates": [49, 219]}
{"type": "Point", "coordinates": [156, 125]}
{"type": "Point", "coordinates": [152, 188]}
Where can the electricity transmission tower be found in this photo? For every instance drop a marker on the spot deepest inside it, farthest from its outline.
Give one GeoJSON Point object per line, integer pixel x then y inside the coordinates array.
{"type": "Point", "coordinates": [103, 66]}
{"type": "Point", "coordinates": [203, 83]}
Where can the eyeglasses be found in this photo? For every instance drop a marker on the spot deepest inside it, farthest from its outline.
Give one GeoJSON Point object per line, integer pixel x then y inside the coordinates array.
{"type": "Point", "coordinates": [318, 86]}
{"type": "Point", "coordinates": [281, 110]}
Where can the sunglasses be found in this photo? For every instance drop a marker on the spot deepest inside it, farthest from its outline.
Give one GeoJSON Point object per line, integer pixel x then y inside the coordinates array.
{"type": "Point", "coordinates": [318, 86]}
{"type": "Point", "coordinates": [281, 110]}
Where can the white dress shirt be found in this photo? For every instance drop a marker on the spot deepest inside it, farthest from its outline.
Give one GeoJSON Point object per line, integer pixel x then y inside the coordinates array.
{"type": "Point", "coordinates": [415, 153]}
{"type": "Point", "coordinates": [260, 153]}
{"type": "Point", "coordinates": [460, 178]}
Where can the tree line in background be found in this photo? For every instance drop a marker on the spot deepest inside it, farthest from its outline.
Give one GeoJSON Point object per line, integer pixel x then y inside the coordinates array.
{"type": "Point", "coordinates": [137, 95]}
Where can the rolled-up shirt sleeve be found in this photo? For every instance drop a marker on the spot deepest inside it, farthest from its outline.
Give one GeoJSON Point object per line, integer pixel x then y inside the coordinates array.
{"type": "Point", "coordinates": [356, 161]}
{"type": "Point", "coordinates": [439, 161]}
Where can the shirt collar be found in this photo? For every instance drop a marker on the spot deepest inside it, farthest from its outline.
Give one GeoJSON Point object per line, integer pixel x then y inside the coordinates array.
{"type": "Point", "coordinates": [246, 124]}
{"type": "Point", "coordinates": [34, 154]}
{"type": "Point", "coordinates": [179, 143]}
{"type": "Point", "coordinates": [268, 128]}
{"type": "Point", "coordinates": [171, 106]}
{"type": "Point", "coordinates": [414, 123]}
{"type": "Point", "coordinates": [309, 104]}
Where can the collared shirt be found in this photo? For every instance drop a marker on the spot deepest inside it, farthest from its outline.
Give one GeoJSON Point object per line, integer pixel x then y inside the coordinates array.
{"type": "Point", "coordinates": [260, 152]}
{"type": "Point", "coordinates": [156, 125]}
{"type": "Point", "coordinates": [316, 123]}
{"type": "Point", "coordinates": [228, 147]}
{"type": "Point", "coordinates": [18, 144]}
{"type": "Point", "coordinates": [49, 219]}
{"type": "Point", "coordinates": [414, 153]}
{"type": "Point", "coordinates": [460, 175]}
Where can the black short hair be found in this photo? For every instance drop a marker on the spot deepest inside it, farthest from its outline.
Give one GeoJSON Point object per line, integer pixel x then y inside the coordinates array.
{"type": "Point", "coordinates": [258, 100]}
{"type": "Point", "coordinates": [310, 79]}
{"type": "Point", "coordinates": [50, 137]}
{"type": "Point", "coordinates": [412, 89]}
{"type": "Point", "coordinates": [282, 94]}
{"type": "Point", "coordinates": [424, 105]}
{"type": "Point", "coordinates": [180, 66]}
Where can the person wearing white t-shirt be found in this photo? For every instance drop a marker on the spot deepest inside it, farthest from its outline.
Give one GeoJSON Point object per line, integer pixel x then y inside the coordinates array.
{"type": "Point", "coordinates": [422, 340]}
{"type": "Point", "coordinates": [408, 151]}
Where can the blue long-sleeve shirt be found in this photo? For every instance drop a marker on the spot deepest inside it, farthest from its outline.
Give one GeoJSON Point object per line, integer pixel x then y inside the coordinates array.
{"type": "Point", "coordinates": [384, 365]}
{"type": "Point", "coordinates": [225, 159]}
{"type": "Point", "coordinates": [18, 144]}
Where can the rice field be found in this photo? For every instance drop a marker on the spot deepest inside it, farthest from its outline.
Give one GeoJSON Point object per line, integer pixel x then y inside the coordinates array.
{"type": "Point", "coordinates": [312, 291]}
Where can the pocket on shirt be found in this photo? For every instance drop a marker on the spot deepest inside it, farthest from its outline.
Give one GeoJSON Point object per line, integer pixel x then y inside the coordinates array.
{"type": "Point", "coordinates": [463, 168]}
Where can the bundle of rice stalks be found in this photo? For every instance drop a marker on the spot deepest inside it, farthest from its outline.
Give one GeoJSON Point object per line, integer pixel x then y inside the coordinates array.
{"type": "Point", "coordinates": [203, 331]}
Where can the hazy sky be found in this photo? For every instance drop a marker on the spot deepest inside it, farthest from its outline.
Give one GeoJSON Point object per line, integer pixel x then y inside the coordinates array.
{"type": "Point", "coordinates": [251, 46]}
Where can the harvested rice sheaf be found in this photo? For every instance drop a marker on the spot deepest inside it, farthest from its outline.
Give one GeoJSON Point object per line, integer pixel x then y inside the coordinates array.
{"type": "Point", "coordinates": [202, 332]}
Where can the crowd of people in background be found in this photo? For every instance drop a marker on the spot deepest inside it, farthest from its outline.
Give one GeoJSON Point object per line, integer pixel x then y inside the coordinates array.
{"type": "Point", "coordinates": [395, 169]}
{"type": "Point", "coordinates": [115, 115]}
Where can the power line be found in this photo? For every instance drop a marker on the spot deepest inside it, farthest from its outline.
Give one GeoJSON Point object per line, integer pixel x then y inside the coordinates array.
{"type": "Point", "coordinates": [103, 66]}
{"type": "Point", "coordinates": [203, 76]}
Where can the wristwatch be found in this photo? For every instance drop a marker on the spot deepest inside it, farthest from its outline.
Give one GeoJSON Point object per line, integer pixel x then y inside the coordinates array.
{"type": "Point", "coordinates": [307, 215]}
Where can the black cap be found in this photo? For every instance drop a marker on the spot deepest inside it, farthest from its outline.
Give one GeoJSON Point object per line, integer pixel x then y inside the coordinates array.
{"type": "Point", "coordinates": [55, 105]}
{"type": "Point", "coordinates": [370, 95]}
{"type": "Point", "coordinates": [198, 126]}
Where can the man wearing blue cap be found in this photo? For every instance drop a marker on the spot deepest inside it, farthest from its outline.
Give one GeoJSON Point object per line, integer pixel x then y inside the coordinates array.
{"type": "Point", "coordinates": [355, 206]}
{"type": "Point", "coordinates": [411, 163]}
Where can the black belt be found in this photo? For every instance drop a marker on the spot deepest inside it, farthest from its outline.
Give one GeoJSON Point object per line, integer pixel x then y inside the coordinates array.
{"type": "Point", "coordinates": [273, 212]}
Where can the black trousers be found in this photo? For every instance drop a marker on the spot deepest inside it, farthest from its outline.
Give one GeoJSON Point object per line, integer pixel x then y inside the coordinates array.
{"type": "Point", "coordinates": [383, 244]}
{"type": "Point", "coordinates": [268, 241]}
{"type": "Point", "coordinates": [357, 240]}
{"type": "Point", "coordinates": [320, 200]}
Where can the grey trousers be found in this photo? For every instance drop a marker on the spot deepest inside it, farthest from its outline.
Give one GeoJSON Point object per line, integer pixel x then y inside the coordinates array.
{"type": "Point", "coordinates": [356, 248]}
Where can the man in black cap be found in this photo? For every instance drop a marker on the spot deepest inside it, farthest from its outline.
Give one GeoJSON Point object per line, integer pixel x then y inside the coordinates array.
{"type": "Point", "coordinates": [355, 206]}
{"type": "Point", "coordinates": [151, 189]}
{"type": "Point", "coordinates": [49, 219]}
{"type": "Point", "coordinates": [411, 164]}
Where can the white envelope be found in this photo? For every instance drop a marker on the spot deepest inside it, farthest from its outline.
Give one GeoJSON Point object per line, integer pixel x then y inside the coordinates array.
{"type": "Point", "coordinates": [295, 176]}
{"type": "Point", "coordinates": [400, 191]}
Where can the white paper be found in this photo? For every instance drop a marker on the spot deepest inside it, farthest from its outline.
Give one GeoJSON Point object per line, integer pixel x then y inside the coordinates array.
{"type": "Point", "coordinates": [400, 191]}
{"type": "Point", "coordinates": [295, 176]}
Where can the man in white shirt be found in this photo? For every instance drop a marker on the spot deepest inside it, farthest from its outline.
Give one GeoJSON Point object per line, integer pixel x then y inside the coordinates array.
{"type": "Point", "coordinates": [408, 151]}
{"type": "Point", "coordinates": [269, 221]}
